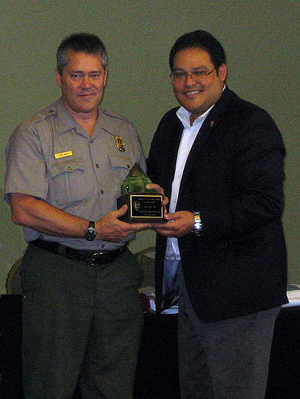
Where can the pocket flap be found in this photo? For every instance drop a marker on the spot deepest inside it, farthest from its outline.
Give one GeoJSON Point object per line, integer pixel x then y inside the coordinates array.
{"type": "Point", "coordinates": [66, 166]}
{"type": "Point", "coordinates": [121, 161]}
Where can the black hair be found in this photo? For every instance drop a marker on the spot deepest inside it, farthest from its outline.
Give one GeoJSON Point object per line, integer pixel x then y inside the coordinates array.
{"type": "Point", "coordinates": [203, 40]}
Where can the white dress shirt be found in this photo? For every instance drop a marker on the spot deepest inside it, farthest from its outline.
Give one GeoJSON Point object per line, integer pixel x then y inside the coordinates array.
{"type": "Point", "coordinates": [188, 137]}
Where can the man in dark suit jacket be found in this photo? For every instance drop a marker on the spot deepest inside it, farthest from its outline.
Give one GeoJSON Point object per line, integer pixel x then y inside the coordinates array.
{"type": "Point", "coordinates": [220, 161]}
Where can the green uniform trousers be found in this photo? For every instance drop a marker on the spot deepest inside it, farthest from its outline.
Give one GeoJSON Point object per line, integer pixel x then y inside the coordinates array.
{"type": "Point", "coordinates": [79, 321]}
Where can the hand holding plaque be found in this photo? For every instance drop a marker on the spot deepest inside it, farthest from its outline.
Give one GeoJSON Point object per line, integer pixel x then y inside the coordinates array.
{"type": "Point", "coordinates": [144, 206]}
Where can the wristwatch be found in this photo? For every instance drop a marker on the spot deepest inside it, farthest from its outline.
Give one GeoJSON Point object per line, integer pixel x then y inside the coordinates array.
{"type": "Point", "coordinates": [197, 224]}
{"type": "Point", "coordinates": [91, 233]}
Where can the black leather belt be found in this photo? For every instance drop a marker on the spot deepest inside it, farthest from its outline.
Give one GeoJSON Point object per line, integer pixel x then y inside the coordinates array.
{"type": "Point", "coordinates": [94, 258]}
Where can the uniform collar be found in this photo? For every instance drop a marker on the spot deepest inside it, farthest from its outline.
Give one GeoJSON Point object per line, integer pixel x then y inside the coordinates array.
{"type": "Point", "coordinates": [66, 122]}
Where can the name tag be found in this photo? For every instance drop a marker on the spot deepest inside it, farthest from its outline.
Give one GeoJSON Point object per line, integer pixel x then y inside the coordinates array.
{"type": "Point", "coordinates": [63, 154]}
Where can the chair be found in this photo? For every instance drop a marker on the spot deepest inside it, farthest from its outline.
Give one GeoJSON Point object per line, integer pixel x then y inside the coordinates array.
{"type": "Point", "coordinates": [13, 281]}
{"type": "Point", "coordinates": [146, 258]}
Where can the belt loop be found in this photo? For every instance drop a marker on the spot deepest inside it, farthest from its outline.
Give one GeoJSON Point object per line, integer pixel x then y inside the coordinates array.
{"type": "Point", "coordinates": [61, 250]}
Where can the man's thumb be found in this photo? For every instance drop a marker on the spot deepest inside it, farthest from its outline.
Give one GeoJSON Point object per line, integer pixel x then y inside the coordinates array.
{"type": "Point", "coordinates": [121, 211]}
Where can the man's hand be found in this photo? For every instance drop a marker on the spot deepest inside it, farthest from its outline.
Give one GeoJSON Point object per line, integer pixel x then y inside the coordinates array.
{"type": "Point", "coordinates": [110, 228]}
{"type": "Point", "coordinates": [159, 190]}
{"type": "Point", "coordinates": [179, 224]}
{"type": "Point", "coordinates": [39, 215]}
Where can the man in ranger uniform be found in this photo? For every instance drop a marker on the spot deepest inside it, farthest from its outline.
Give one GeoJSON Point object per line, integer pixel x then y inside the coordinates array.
{"type": "Point", "coordinates": [65, 166]}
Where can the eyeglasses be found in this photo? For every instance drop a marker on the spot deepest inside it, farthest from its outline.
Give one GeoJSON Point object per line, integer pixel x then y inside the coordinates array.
{"type": "Point", "coordinates": [197, 75]}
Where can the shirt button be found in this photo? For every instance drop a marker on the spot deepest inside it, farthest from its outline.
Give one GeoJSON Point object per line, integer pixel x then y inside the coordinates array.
{"type": "Point", "coordinates": [101, 191]}
{"type": "Point", "coordinates": [97, 165]}
{"type": "Point", "coordinates": [91, 141]}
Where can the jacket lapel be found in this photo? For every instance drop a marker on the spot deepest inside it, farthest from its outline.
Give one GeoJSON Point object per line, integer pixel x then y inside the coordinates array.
{"type": "Point", "coordinates": [210, 123]}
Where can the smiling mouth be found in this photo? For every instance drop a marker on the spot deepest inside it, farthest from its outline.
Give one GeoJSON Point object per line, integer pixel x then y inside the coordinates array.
{"type": "Point", "coordinates": [86, 95]}
{"type": "Point", "coordinates": [192, 93]}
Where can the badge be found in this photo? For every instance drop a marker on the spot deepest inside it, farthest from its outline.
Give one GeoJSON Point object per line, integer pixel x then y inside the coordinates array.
{"type": "Point", "coordinates": [119, 143]}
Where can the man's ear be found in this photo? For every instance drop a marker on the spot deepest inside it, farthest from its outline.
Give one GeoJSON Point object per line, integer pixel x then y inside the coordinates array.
{"type": "Point", "coordinates": [106, 76]}
{"type": "Point", "coordinates": [222, 71]}
{"type": "Point", "coordinates": [58, 78]}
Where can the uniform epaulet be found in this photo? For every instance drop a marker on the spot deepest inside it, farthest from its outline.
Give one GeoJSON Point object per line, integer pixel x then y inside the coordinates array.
{"type": "Point", "coordinates": [115, 115]}
{"type": "Point", "coordinates": [41, 116]}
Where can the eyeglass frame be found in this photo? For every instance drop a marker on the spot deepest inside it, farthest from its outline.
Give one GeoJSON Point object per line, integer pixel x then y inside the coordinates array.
{"type": "Point", "coordinates": [191, 74]}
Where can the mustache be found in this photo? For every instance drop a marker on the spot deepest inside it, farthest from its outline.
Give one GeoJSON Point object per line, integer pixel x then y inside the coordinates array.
{"type": "Point", "coordinates": [86, 91]}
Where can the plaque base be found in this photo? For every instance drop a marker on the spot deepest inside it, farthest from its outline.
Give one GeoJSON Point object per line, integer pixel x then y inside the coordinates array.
{"type": "Point", "coordinates": [142, 208]}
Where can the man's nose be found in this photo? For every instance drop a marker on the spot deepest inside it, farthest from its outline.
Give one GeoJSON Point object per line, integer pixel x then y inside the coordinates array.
{"type": "Point", "coordinates": [189, 79]}
{"type": "Point", "coordinates": [86, 82]}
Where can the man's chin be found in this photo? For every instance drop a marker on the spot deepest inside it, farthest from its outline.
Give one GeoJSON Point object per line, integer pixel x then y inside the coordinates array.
{"type": "Point", "coordinates": [85, 108]}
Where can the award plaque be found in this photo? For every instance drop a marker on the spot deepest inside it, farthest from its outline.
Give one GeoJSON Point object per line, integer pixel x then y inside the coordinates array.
{"type": "Point", "coordinates": [144, 206]}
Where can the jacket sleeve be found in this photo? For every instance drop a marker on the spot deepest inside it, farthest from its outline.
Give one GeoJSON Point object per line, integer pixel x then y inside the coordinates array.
{"type": "Point", "coordinates": [254, 183]}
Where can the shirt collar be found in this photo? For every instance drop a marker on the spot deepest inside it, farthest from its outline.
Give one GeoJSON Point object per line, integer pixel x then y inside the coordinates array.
{"type": "Point", "coordinates": [184, 115]}
{"type": "Point", "coordinates": [66, 121]}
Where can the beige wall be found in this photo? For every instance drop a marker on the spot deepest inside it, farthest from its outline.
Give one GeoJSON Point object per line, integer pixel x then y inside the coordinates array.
{"type": "Point", "coordinates": [262, 44]}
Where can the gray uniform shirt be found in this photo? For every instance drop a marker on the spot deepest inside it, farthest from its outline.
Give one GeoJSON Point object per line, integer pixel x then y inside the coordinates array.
{"type": "Point", "coordinates": [51, 157]}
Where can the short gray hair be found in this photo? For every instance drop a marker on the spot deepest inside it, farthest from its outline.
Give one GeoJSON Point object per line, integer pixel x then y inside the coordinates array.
{"type": "Point", "coordinates": [80, 42]}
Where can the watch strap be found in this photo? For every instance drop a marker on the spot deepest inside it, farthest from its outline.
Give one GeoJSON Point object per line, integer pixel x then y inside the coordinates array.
{"type": "Point", "coordinates": [197, 224]}
{"type": "Point", "coordinates": [91, 233]}
{"type": "Point", "coordinates": [91, 224]}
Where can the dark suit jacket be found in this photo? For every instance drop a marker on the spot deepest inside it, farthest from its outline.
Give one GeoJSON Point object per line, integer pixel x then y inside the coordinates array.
{"type": "Point", "coordinates": [234, 178]}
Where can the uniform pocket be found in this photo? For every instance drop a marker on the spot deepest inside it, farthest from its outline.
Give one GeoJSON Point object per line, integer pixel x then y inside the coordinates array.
{"type": "Point", "coordinates": [121, 166]}
{"type": "Point", "coordinates": [68, 181]}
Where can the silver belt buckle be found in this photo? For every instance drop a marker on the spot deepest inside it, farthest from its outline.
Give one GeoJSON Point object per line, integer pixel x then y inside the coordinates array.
{"type": "Point", "coordinates": [94, 256]}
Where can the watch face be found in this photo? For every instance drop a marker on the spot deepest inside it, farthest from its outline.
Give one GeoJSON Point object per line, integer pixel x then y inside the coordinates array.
{"type": "Point", "coordinates": [90, 234]}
